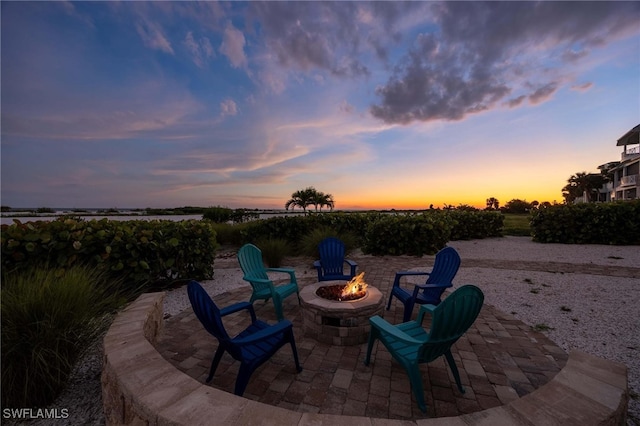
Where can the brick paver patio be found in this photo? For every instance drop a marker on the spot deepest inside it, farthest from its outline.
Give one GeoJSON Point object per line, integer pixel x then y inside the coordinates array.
{"type": "Point", "coordinates": [500, 359]}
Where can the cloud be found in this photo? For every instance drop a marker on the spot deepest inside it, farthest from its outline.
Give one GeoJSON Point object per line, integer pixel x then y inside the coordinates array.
{"type": "Point", "coordinates": [228, 107]}
{"type": "Point", "coordinates": [483, 52]}
{"type": "Point", "coordinates": [152, 36]}
{"type": "Point", "coordinates": [233, 46]}
{"type": "Point", "coordinates": [335, 37]}
{"type": "Point", "coordinates": [515, 102]}
{"type": "Point", "coordinates": [346, 107]}
{"type": "Point", "coordinates": [200, 50]}
{"type": "Point", "coordinates": [541, 94]}
{"type": "Point", "coordinates": [583, 87]}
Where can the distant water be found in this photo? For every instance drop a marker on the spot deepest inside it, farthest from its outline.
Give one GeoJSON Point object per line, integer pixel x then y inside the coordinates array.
{"type": "Point", "coordinates": [52, 216]}
{"type": "Point", "coordinates": [176, 218]}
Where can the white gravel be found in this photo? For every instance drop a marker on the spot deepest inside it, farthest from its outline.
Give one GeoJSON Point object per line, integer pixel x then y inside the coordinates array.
{"type": "Point", "coordinates": [594, 313]}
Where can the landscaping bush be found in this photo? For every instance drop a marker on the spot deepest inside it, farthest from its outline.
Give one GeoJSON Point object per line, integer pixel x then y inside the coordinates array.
{"type": "Point", "coordinates": [288, 228]}
{"type": "Point", "coordinates": [154, 252]}
{"type": "Point", "coordinates": [47, 322]}
{"type": "Point", "coordinates": [273, 251]}
{"type": "Point", "coordinates": [588, 223]}
{"type": "Point", "coordinates": [227, 234]}
{"type": "Point", "coordinates": [408, 234]}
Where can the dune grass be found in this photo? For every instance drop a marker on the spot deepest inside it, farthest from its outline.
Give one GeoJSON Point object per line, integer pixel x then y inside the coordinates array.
{"type": "Point", "coordinates": [47, 323]}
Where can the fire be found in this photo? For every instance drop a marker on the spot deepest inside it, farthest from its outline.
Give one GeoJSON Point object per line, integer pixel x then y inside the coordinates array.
{"type": "Point", "coordinates": [355, 286]}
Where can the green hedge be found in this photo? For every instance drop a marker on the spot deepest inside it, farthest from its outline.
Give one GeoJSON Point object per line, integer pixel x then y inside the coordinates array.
{"type": "Point", "coordinates": [150, 252]}
{"type": "Point", "coordinates": [588, 223]}
{"type": "Point", "coordinates": [410, 234]}
{"type": "Point", "coordinates": [383, 233]}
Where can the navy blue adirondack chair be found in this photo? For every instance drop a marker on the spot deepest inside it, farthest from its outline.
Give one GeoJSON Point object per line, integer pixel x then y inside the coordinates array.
{"type": "Point", "coordinates": [252, 347]}
{"type": "Point", "coordinates": [331, 265]}
{"type": "Point", "coordinates": [411, 345]}
{"type": "Point", "coordinates": [440, 278]}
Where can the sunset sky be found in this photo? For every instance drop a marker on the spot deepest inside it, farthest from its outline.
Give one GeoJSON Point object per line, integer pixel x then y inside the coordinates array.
{"type": "Point", "coordinates": [381, 104]}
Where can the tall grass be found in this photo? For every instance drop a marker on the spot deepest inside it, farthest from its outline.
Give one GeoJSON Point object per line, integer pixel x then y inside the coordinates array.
{"type": "Point", "coordinates": [273, 251]}
{"type": "Point", "coordinates": [47, 322]}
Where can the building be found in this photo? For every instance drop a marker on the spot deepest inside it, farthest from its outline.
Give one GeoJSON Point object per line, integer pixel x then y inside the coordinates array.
{"type": "Point", "coordinates": [625, 183]}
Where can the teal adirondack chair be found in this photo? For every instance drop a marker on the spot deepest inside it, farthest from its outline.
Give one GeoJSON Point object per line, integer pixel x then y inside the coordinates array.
{"type": "Point", "coordinates": [411, 345]}
{"type": "Point", "coordinates": [250, 259]}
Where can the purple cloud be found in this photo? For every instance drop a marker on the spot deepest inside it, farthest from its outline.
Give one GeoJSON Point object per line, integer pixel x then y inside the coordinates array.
{"type": "Point", "coordinates": [483, 52]}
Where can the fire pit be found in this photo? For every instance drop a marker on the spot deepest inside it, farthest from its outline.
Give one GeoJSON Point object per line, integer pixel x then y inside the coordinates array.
{"type": "Point", "coordinates": [338, 313]}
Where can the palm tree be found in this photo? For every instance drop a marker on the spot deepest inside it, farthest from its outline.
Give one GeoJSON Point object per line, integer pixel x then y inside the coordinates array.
{"type": "Point", "coordinates": [583, 183]}
{"type": "Point", "coordinates": [321, 200]}
{"type": "Point", "coordinates": [301, 198]}
{"type": "Point", "coordinates": [493, 203]}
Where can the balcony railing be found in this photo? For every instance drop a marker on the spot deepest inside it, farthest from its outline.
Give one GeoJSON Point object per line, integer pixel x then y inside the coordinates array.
{"type": "Point", "coordinates": [630, 180]}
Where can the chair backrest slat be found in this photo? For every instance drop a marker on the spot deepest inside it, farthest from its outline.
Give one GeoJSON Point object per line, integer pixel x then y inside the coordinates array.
{"type": "Point", "coordinates": [251, 263]}
{"type": "Point", "coordinates": [209, 315]}
{"type": "Point", "coordinates": [451, 319]}
{"type": "Point", "coordinates": [206, 310]}
{"type": "Point", "coordinates": [332, 256]}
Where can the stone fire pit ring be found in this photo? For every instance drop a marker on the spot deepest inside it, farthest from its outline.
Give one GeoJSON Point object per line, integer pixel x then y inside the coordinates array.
{"type": "Point", "coordinates": [340, 323]}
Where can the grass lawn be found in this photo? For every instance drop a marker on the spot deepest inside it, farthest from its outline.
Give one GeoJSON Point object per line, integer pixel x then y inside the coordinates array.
{"type": "Point", "coordinates": [516, 224]}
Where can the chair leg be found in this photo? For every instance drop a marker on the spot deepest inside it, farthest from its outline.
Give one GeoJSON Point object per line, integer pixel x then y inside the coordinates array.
{"type": "Point", "coordinates": [214, 362]}
{"type": "Point", "coordinates": [416, 385]}
{"type": "Point", "coordinates": [389, 303]}
{"type": "Point", "coordinates": [243, 379]}
{"type": "Point", "coordinates": [294, 349]}
{"type": "Point", "coordinates": [408, 310]}
{"type": "Point", "coordinates": [454, 369]}
{"type": "Point", "coordinates": [277, 304]}
{"type": "Point", "coordinates": [373, 335]}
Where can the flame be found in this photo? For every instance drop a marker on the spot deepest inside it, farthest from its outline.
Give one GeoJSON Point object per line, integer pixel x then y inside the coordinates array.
{"type": "Point", "coordinates": [355, 286]}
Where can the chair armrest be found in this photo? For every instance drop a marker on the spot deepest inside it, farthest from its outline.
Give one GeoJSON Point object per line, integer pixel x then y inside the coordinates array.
{"type": "Point", "coordinates": [434, 285]}
{"type": "Point", "coordinates": [419, 287]}
{"type": "Point", "coordinates": [290, 271]}
{"type": "Point", "coordinates": [423, 310]}
{"type": "Point", "coordinates": [265, 333]}
{"type": "Point", "coordinates": [316, 264]}
{"type": "Point", "coordinates": [257, 280]}
{"type": "Point", "coordinates": [235, 308]}
{"type": "Point", "coordinates": [396, 282]}
{"type": "Point", "coordinates": [408, 273]}
{"type": "Point", "coordinates": [239, 307]}
{"type": "Point", "coordinates": [351, 262]}
{"type": "Point", "coordinates": [385, 327]}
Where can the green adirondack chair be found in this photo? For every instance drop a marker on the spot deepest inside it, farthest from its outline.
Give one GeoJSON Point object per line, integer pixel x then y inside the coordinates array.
{"type": "Point", "coordinates": [411, 345]}
{"type": "Point", "coordinates": [250, 259]}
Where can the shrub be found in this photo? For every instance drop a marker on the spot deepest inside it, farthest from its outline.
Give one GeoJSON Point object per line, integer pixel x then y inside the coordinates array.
{"type": "Point", "coordinates": [228, 234]}
{"type": "Point", "coordinates": [588, 223]}
{"type": "Point", "coordinates": [309, 243]}
{"type": "Point", "coordinates": [154, 252]}
{"type": "Point", "coordinates": [218, 214]}
{"type": "Point", "coordinates": [47, 321]}
{"type": "Point", "coordinates": [408, 234]}
{"type": "Point", "coordinates": [273, 251]}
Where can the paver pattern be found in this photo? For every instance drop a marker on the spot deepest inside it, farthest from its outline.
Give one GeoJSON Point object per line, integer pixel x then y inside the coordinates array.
{"type": "Point", "coordinates": [500, 359]}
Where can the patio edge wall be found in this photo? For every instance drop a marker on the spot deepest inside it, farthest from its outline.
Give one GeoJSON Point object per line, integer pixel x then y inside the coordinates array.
{"type": "Point", "coordinates": [140, 387]}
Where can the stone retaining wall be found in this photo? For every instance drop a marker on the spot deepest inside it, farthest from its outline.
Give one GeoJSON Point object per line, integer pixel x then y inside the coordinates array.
{"type": "Point", "coordinates": [140, 387]}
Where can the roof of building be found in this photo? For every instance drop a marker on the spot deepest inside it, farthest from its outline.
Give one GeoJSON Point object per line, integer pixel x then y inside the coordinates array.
{"type": "Point", "coordinates": [632, 137]}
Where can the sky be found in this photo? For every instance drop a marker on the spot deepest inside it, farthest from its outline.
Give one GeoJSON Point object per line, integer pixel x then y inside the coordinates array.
{"type": "Point", "coordinates": [380, 104]}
